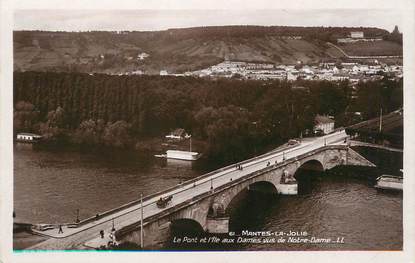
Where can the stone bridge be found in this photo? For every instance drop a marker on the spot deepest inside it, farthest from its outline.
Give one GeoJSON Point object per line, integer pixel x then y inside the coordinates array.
{"type": "Point", "coordinates": [210, 210]}
{"type": "Point", "coordinates": [205, 200]}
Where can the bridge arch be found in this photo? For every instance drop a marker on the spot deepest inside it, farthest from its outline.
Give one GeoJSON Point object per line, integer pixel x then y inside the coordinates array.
{"type": "Point", "coordinates": [263, 186]}
{"type": "Point", "coordinates": [185, 226]}
{"type": "Point", "coordinates": [309, 165]}
{"type": "Point", "coordinates": [305, 175]}
{"type": "Point", "coordinates": [182, 233]}
{"type": "Point", "coordinates": [221, 203]}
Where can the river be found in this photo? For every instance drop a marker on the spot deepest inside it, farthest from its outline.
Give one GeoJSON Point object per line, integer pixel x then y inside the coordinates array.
{"type": "Point", "coordinates": [49, 187]}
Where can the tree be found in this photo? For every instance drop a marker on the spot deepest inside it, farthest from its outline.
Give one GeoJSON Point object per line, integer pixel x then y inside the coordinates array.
{"type": "Point", "coordinates": [24, 117]}
{"type": "Point", "coordinates": [90, 132]}
{"type": "Point", "coordinates": [54, 129]}
{"type": "Point", "coordinates": [117, 134]}
{"type": "Point", "coordinates": [228, 134]}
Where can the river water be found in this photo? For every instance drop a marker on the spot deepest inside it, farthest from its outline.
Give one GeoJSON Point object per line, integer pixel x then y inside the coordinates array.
{"type": "Point", "coordinates": [49, 187]}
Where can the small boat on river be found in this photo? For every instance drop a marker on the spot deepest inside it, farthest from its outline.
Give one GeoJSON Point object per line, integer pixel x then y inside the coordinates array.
{"type": "Point", "coordinates": [389, 182]}
{"type": "Point", "coordinates": [181, 155]}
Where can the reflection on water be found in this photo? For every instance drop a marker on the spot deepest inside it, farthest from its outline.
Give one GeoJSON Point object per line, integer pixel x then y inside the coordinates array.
{"type": "Point", "coordinates": [178, 164]}
{"type": "Point", "coordinates": [335, 207]}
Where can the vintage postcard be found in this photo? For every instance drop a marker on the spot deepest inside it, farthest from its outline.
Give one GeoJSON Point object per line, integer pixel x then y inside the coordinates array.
{"type": "Point", "coordinates": [233, 131]}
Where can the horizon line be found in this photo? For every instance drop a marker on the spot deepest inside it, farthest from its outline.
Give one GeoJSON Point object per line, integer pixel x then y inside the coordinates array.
{"type": "Point", "coordinates": [197, 27]}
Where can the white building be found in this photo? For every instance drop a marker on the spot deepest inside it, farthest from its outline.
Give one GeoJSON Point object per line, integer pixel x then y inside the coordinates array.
{"type": "Point", "coordinates": [28, 137]}
{"type": "Point", "coordinates": [324, 124]}
{"type": "Point", "coordinates": [356, 34]}
{"type": "Point", "coordinates": [137, 72]}
{"type": "Point", "coordinates": [293, 75]}
{"type": "Point", "coordinates": [142, 56]}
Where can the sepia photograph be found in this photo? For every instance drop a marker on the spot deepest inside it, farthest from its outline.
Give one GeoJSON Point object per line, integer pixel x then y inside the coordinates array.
{"type": "Point", "coordinates": [208, 130]}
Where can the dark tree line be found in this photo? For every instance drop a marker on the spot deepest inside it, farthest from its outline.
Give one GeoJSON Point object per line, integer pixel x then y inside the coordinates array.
{"type": "Point", "coordinates": [235, 117]}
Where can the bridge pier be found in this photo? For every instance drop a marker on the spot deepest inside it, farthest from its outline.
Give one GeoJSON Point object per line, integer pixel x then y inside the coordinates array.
{"type": "Point", "coordinates": [217, 225]}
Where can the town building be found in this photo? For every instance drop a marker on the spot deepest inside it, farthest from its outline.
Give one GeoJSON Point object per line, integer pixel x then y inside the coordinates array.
{"type": "Point", "coordinates": [28, 137]}
{"type": "Point", "coordinates": [324, 71]}
{"type": "Point", "coordinates": [323, 124]}
{"type": "Point", "coordinates": [142, 56]}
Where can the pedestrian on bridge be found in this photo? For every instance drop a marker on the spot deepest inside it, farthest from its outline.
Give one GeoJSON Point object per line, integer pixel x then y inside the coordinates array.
{"type": "Point", "coordinates": [101, 232]}
{"type": "Point", "coordinates": [60, 231]}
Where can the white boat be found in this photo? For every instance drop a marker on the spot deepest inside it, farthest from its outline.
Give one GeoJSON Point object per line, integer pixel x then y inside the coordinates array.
{"type": "Point", "coordinates": [389, 182]}
{"type": "Point", "coordinates": [182, 155]}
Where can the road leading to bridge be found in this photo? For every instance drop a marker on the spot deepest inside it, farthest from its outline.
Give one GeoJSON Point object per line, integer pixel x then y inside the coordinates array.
{"type": "Point", "coordinates": [75, 237]}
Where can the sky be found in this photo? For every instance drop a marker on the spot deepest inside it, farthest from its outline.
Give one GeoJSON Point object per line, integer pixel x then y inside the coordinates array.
{"type": "Point", "coordinates": [161, 19]}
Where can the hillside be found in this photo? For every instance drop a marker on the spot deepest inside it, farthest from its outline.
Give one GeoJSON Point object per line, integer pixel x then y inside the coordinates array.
{"type": "Point", "coordinates": [378, 48]}
{"type": "Point", "coordinates": [175, 50]}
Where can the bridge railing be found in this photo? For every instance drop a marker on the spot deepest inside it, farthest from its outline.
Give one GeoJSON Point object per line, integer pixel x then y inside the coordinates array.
{"type": "Point", "coordinates": [230, 168]}
{"type": "Point", "coordinates": [287, 153]}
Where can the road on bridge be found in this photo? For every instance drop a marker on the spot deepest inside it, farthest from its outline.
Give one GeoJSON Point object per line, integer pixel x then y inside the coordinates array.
{"type": "Point", "coordinates": [74, 238]}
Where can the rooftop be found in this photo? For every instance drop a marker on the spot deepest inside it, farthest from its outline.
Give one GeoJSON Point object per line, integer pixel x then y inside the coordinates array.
{"type": "Point", "coordinates": [29, 134]}
{"type": "Point", "coordinates": [321, 119]}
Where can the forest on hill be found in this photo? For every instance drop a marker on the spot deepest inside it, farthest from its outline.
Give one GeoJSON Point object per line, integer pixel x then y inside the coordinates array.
{"type": "Point", "coordinates": [232, 116]}
{"type": "Point", "coordinates": [178, 50]}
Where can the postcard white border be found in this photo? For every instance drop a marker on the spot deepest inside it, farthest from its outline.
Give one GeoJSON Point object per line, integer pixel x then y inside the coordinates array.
{"type": "Point", "coordinates": [6, 157]}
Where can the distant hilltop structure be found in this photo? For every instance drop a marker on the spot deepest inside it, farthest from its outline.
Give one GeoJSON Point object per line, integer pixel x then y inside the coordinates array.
{"type": "Point", "coordinates": [357, 34]}
{"type": "Point", "coordinates": [396, 31]}
{"type": "Point", "coordinates": [142, 56]}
